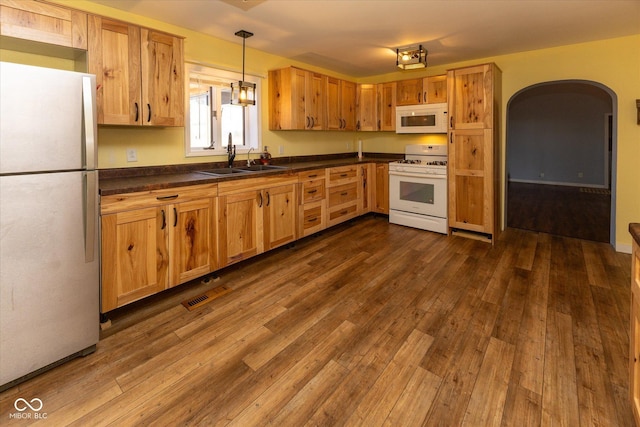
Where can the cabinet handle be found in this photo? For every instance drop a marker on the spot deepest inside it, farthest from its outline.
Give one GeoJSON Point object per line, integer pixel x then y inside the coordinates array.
{"type": "Point", "coordinates": [313, 176]}
{"type": "Point", "coordinates": [308, 122]}
{"type": "Point", "coordinates": [149, 117]}
{"type": "Point", "coordinates": [314, 219]}
{"type": "Point", "coordinates": [358, 125]}
{"type": "Point", "coordinates": [419, 95]}
{"type": "Point", "coordinates": [451, 121]}
{"type": "Point", "coordinates": [137, 112]}
{"type": "Point", "coordinates": [268, 199]}
{"type": "Point", "coordinates": [164, 220]}
{"type": "Point", "coordinates": [451, 137]}
{"type": "Point", "coordinates": [173, 196]}
{"type": "Point", "coordinates": [344, 193]}
{"type": "Point", "coordinates": [312, 191]}
{"type": "Point", "coordinates": [260, 204]}
{"type": "Point", "coordinates": [424, 97]}
{"type": "Point", "coordinates": [344, 175]}
{"type": "Point", "coordinates": [175, 217]}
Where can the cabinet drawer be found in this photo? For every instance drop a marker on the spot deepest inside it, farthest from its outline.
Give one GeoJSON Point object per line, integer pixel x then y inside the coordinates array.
{"type": "Point", "coordinates": [144, 199]}
{"type": "Point", "coordinates": [343, 194]}
{"type": "Point", "coordinates": [311, 175]}
{"type": "Point", "coordinates": [312, 217]}
{"type": "Point", "coordinates": [343, 214]}
{"type": "Point", "coordinates": [312, 191]}
{"type": "Point", "coordinates": [342, 175]}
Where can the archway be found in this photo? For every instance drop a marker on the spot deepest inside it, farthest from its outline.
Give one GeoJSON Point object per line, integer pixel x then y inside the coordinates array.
{"type": "Point", "coordinates": [560, 159]}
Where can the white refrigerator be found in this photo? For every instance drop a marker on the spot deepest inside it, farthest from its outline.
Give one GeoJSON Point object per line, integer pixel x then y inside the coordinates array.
{"type": "Point", "coordinates": [49, 256]}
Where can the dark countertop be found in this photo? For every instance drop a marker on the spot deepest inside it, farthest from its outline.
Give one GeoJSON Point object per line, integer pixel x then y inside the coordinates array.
{"type": "Point", "coordinates": [634, 230]}
{"type": "Point", "coordinates": [130, 180]}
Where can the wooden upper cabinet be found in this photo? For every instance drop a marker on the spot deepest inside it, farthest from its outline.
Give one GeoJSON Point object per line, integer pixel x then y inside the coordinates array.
{"type": "Point", "coordinates": [341, 104]}
{"type": "Point", "coordinates": [296, 100]}
{"type": "Point", "coordinates": [427, 90]}
{"type": "Point", "coordinates": [43, 22]}
{"type": "Point", "coordinates": [139, 74]}
{"type": "Point", "coordinates": [409, 92]}
{"type": "Point", "coordinates": [367, 108]}
{"type": "Point", "coordinates": [435, 89]}
{"type": "Point", "coordinates": [387, 106]}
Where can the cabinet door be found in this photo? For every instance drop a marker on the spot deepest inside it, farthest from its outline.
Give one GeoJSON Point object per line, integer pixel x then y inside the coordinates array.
{"type": "Point", "coordinates": [409, 92]}
{"type": "Point", "coordinates": [471, 97]}
{"type": "Point", "coordinates": [365, 198]}
{"type": "Point", "coordinates": [470, 181]}
{"type": "Point", "coordinates": [367, 108]}
{"type": "Point", "coordinates": [45, 23]}
{"type": "Point", "coordinates": [192, 240]}
{"type": "Point", "coordinates": [387, 106]}
{"type": "Point", "coordinates": [334, 121]}
{"type": "Point", "coordinates": [435, 89]}
{"type": "Point", "coordinates": [162, 79]}
{"type": "Point", "coordinates": [348, 105]}
{"type": "Point", "coordinates": [382, 189]}
{"type": "Point", "coordinates": [114, 57]}
{"type": "Point", "coordinates": [314, 103]}
{"type": "Point", "coordinates": [135, 256]}
{"type": "Point", "coordinates": [279, 215]}
{"type": "Point", "coordinates": [240, 226]}
{"type": "Point", "coordinates": [634, 335]}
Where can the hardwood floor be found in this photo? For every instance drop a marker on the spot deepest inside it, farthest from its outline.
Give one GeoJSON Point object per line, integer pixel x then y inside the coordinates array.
{"type": "Point", "coordinates": [583, 213]}
{"type": "Point", "coordinates": [368, 324]}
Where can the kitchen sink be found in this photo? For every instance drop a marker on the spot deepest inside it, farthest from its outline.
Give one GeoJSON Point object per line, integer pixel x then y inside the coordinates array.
{"type": "Point", "coordinates": [223, 171]}
{"type": "Point", "coordinates": [259, 168]}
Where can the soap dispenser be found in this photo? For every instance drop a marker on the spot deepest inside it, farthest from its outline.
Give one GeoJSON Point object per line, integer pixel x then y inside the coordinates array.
{"type": "Point", "coordinates": [265, 156]}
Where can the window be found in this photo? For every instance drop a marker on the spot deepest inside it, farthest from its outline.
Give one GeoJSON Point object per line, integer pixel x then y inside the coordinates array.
{"type": "Point", "coordinates": [212, 120]}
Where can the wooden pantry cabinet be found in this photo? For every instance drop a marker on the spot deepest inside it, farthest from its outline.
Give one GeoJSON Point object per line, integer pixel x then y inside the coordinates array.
{"type": "Point", "coordinates": [155, 240]}
{"type": "Point", "coordinates": [44, 23]}
{"type": "Point", "coordinates": [634, 334]}
{"type": "Point", "coordinates": [473, 158]}
{"type": "Point", "coordinates": [255, 215]}
{"type": "Point", "coordinates": [139, 74]}
{"type": "Point", "coordinates": [296, 99]}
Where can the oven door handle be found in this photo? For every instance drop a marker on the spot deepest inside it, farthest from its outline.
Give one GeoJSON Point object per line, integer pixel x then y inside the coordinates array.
{"type": "Point", "coordinates": [417, 175]}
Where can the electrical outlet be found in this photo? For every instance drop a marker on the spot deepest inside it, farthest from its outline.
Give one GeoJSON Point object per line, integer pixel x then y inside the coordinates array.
{"type": "Point", "coordinates": [580, 175]}
{"type": "Point", "coordinates": [541, 174]}
{"type": "Point", "coordinates": [132, 155]}
{"type": "Point", "coordinates": [281, 149]}
{"type": "Point", "coordinates": [348, 145]}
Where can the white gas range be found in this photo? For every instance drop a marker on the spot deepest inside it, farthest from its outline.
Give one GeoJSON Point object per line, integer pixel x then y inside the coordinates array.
{"type": "Point", "coordinates": [418, 188]}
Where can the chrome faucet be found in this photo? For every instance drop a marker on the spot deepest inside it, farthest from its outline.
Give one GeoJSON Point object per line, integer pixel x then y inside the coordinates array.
{"type": "Point", "coordinates": [249, 161]}
{"type": "Point", "coordinates": [231, 151]}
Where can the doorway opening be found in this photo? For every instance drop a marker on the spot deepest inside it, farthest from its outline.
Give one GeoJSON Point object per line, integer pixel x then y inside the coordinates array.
{"type": "Point", "coordinates": [560, 160]}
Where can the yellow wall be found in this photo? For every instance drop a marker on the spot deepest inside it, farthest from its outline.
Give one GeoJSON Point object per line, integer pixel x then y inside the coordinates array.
{"type": "Point", "coordinates": [614, 63]}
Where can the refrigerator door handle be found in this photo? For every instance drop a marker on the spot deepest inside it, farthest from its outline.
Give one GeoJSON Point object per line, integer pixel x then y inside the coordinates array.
{"type": "Point", "coordinates": [90, 215]}
{"type": "Point", "coordinates": [90, 125]}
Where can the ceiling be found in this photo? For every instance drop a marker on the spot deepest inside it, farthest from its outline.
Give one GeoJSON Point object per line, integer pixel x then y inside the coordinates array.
{"type": "Point", "coordinates": [358, 37]}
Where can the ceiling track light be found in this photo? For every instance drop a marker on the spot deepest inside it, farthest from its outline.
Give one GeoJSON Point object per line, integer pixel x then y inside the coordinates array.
{"type": "Point", "coordinates": [412, 57]}
{"type": "Point", "coordinates": [243, 93]}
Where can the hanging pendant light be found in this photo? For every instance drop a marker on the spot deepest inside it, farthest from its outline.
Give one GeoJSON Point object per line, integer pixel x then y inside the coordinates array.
{"type": "Point", "coordinates": [243, 93]}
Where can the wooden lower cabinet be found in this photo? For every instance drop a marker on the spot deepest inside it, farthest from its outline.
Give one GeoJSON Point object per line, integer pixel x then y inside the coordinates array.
{"type": "Point", "coordinates": [148, 249]}
{"type": "Point", "coordinates": [634, 335]}
{"type": "Point", "coordinates": [312, 202]}
{"type": "Point", "coordinates": [255, 215]}
{"type": "Point", "coordinates": [344, 194]}
{"type": "Point", "coordinates": [381, 189]}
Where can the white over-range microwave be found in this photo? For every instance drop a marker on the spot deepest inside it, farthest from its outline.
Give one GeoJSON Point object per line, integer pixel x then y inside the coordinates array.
{"type": "Point", "coordinates": [422, 118]}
